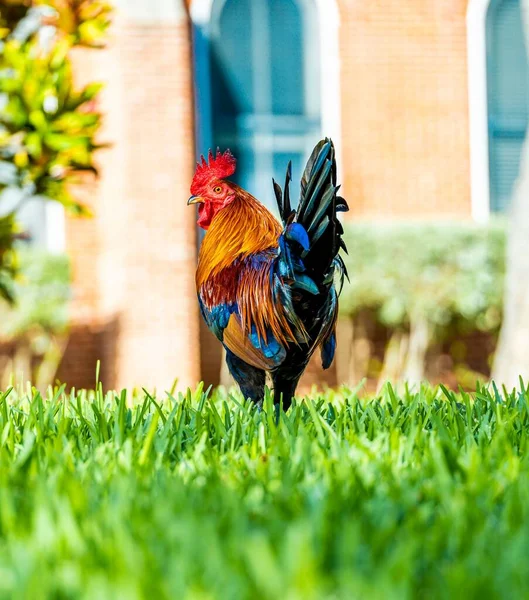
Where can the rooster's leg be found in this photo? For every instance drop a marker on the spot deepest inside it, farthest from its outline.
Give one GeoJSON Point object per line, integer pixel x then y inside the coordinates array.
{"type": "Point", "coordinates": [285, 385]}
{"type": "Point", "coordinates": [250, 379]}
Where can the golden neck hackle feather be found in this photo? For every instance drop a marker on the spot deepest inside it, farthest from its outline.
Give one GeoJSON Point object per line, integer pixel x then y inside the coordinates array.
{"type": "Point", "coordinates": [243, 228]}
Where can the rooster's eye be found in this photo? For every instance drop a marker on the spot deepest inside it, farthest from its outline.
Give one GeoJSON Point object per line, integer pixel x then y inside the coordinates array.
{"type": "Point", "coordinates": [217, 189]}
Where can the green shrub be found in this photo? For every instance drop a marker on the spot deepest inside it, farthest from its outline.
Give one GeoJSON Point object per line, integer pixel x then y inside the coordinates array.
{"type": "Point", "coordinates": [47, 130]}
{"type": "Point", "coordinates": [423, 283]}
{"type": "Point", "coordinates": [84, 21]}
{"type": "Point", "coordinates": [33, 330]}
{"type": "Point", "coordinates": [47, 127]}
{"type": "Point", "coordinates": [440, 272]}
{"type": "Point", "coordinates": [7, 256]}
{"type": "Point", "coordinates": [42, 292]}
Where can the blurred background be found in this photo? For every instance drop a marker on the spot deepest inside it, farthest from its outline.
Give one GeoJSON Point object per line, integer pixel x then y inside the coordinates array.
{"type": "Point", "coordinates": [104, 109]}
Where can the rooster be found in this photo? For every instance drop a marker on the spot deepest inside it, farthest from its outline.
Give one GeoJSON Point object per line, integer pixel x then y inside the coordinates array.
{"type": "Point", "coordinates": [269, 290]}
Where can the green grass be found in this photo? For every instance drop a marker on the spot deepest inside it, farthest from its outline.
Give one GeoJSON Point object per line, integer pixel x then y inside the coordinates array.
{"type": "Point", "coordinates": [109, 496]}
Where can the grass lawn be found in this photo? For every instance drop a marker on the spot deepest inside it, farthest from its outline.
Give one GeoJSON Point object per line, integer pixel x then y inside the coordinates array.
{"type": "Point", "coordinates": [112, 496]}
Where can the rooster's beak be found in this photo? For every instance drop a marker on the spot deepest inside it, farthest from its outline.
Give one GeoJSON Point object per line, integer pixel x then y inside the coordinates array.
{"type": "Point", "coordinates": [195, 200]}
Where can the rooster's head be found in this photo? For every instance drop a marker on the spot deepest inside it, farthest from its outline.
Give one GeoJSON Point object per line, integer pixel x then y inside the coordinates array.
{"type": "Point", "coordinates": [209, 187]}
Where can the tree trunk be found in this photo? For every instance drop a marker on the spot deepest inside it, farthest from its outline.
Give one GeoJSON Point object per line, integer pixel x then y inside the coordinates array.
{"type": "Point", "coordinates": [354, 349]}
{"type": "Point", "coordinates": [394, 359]}
{"type": "Point", "coordinates": [420, 336]}
{"type": "Point", "coordinates": [512, 356]}
{"type": "Point", "coordinates": [344, 350]}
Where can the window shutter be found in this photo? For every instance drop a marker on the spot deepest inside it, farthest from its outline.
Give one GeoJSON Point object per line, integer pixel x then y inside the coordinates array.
{"type": "Point", "coordinates": [507, 80]}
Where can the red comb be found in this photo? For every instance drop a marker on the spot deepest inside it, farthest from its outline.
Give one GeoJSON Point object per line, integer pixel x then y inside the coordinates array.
{"type": "Point", "coordinates": [218, 167]}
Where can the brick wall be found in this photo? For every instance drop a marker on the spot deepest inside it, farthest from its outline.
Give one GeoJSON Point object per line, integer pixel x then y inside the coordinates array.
{"type": "Point", "coordinates": [78, 367]}
{"type": "Point", "coordinates": [405, 108]}
{"type": "Point", "coordinates": [134, 264]}
{"type": "Point", "coordinates": [157, 309]}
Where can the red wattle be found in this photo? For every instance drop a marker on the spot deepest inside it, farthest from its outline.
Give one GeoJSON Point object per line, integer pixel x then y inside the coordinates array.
{"type": "Point", "coordinates": [205, 215]}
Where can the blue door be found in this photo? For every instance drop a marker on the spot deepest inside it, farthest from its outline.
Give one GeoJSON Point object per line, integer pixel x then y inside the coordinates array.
{"type": "Point", "coordinates": [508, 93]}
{"type": "Point", "coordinates": [258, 70]}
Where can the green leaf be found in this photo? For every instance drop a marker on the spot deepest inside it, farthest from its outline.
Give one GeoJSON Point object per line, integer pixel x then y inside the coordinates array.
{"type": "Point", "coordinates": [33, 143]}
{"type": "Point", "coordinates": [38, 120]}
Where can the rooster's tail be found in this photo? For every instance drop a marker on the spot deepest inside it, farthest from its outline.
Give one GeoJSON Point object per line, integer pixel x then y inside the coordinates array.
{"type": "Point", "coordinates": [317, 213]}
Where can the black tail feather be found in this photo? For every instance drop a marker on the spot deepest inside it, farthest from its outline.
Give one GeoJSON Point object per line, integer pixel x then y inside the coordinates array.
{"type": "Point", "coordinates": [317, 212]}
{"type": "Point", "coordinates": [287, 209]}
{"type": "Point", "coordinates": [279, 199]}
{"type": "Point", "coordinates": [283, 197]}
